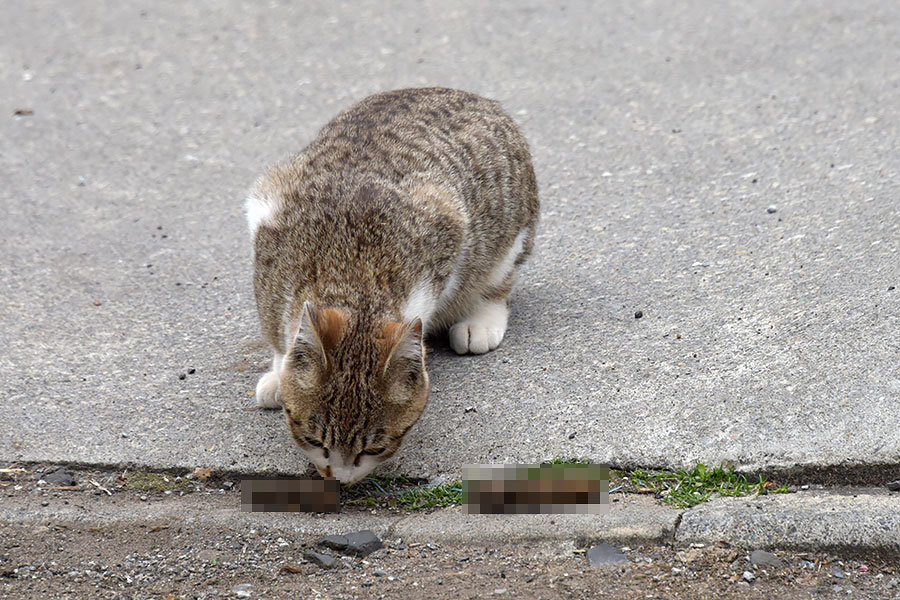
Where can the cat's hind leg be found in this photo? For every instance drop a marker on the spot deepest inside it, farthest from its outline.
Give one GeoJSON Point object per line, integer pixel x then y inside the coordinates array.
{"type": "Point", "coordinates": [268, 394]}
{"type": "Point", "coordinates": [483, 328]}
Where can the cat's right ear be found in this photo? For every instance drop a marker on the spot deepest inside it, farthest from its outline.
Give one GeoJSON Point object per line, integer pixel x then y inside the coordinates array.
{"type": "Point", "coordinates": [319, 331]}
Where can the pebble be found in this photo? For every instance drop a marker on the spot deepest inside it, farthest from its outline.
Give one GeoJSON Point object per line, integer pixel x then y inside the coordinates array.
{"type": "Point", "coordinates": [323, 560]}
{"type": "Point", "coordinates": [45, 503]}
{"type": "Point", "coordinates": [837, 572]}
{"type": "Point", "coordinates": [772, 209]}
{"type": "Point", "coordinates": [361, 543]}
{"type": "Point", "coordinates": [499, 591]}
{"type": "Point", "coordinates": [749, 576]}
{"type": "Point", "coordinates": [379, 573]}
{"type": "Point", "coordinates": [605, 554]}
{"type": "Point", "coordinates": [894, 486]}
{"type": "Point", "coordinates": [241, 590]}
{"type": "Point", "coordinates": [60, 477]}
{"type": "Point", "coordinates": [761, 557]}
{"type": "Point", "coordinates": [638, 314]}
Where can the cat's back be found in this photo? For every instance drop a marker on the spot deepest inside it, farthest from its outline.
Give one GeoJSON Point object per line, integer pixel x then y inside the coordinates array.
{"type": "Point", "coordinates": [462, 139]}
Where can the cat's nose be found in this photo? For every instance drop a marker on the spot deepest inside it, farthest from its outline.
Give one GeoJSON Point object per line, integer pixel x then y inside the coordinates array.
{"type": "Point", "coordinates": [326, 472]}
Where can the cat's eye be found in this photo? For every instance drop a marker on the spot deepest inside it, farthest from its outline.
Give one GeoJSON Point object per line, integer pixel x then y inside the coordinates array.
{"type": "Point", "coordinates": [313, 442]}
{"type": "Point", "coordinates": [373, 451]}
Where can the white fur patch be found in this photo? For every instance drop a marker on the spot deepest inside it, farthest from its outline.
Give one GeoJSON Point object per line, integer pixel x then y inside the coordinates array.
{"type": "Point", "coordinates": [420, 303]}
{"type": "Point", "coordinates": [260, 210]}
{"type": "Point", "coordinates": [506, 266]}
{"type": "Point", "coordinates": [451, 286]}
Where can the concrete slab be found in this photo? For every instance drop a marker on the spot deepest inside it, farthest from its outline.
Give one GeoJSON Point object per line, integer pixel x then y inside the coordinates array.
{"type": "Point", "coordinates": [858, 521]}
{"type": "Point", "coordinates": [662, 132]}
{"type": "Point", "coordinates": [631, 520]}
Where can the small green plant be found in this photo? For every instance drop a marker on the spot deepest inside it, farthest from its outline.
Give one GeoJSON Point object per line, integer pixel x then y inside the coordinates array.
{"type": "Point", "coordinates": [690, 487]}
{"type": "Point", "coordinates": [401, 492]}
{"type": "Point", "coordinates": [431, 496]}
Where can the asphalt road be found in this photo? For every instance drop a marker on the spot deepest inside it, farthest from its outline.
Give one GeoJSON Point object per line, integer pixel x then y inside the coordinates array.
{"type": "Point", "coordinates": [662, 134]}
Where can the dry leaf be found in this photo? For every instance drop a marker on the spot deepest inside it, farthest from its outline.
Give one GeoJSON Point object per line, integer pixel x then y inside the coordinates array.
{"type": "Point", "coordinates": [202, 473]}
{"type": "Point", "coordinates": [290, 568]}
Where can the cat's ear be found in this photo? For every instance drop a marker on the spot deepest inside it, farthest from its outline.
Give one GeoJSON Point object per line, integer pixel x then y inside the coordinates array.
{"type": "Point", "coordinates": [404, 350]}
{"type": "Point", "coordinates": [320, 330]}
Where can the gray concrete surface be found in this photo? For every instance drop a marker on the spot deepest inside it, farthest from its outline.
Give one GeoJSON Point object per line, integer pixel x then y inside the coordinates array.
{"type": "Point", "coordinates": [858, 521]}
{"type": "Point", "coordinates": [661, 133]}
{"type": "Point", "coordinates": [631, 519]}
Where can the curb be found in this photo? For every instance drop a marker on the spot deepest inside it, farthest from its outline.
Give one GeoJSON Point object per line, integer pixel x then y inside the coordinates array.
{"type": "Point", "coordinates": [855, 522]}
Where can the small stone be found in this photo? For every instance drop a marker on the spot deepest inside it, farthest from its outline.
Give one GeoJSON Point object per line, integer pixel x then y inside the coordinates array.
{"type": "Point", "coordinates": [804, 487]}
{"type": "Point", "coordinates": [379, 573]}
{"type": "Point", "coordinates": [361, 543]}
{"type": "Point", "coordinates": [469, 409]}
{"type": "Point", "coordinates": [143, 498]}
{"type": "Point", "coordinates": [323, 560]}
{"type": "Point", "coordinates": [772, 209]}
{"type": "Point", "coordinates": [499, 591]}
{"type": "Point", "coordinates": [241, 590]}
{"type": "Point", "coordinates": [191, 371]}
{"type": "Point", "coordinates": [894, 486]}
{"type": "Point", "coordinates": [45, 503]}
{"type": "Point", "coordinates": [837, 572]}
{"type": "Point", "coordinates": [60, 477]}
{"type": "Point", "coordinates": [837, 588]}
{"type": "Point", "coordinates": [748, 576]}
{"type": "Point", "coordinates": [367, 584]}
{"type": "Point", "coordinates": [182, 376]}
{"type": "Point", "coordinates": [808, 564]}
{"type": "Point", "coordinates": [792, 489]}
{"type": "Point", "coordinates": [605, 554]}
{"type": "Point", "coordinates": [335, 542]}
{"type": "Point", "coordinates": [763, 558]}
{"type": "Point", "coordinates": [891, 288]}
{"type": "Point", "coordinates": [638, 314]}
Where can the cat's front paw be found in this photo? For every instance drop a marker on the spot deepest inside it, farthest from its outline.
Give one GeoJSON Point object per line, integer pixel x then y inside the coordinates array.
{"type": "Point", "coordinates": [267, 393]}
{"type": "Point", "coordinates": [481, 332]}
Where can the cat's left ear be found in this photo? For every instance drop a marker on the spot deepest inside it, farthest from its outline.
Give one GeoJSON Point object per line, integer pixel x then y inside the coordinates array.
{"type": "Point", "coordinates": [404, 346]}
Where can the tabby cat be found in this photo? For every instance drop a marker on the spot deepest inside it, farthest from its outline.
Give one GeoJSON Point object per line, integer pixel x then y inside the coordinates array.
{"type": "Point", "coordinates": [409, 213]}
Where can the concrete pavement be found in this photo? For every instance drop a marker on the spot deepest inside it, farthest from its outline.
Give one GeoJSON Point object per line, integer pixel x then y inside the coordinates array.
{"type": "Point", "coordinates": [661, 133]}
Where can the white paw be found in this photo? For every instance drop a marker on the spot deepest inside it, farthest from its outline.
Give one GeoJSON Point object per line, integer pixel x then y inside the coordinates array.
{"type": "Point", "coordinates": [267, 394]}
{"type": "Point", "coordinates": [482, 331]}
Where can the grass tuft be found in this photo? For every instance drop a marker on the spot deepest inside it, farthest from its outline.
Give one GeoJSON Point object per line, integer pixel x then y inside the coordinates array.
{"type": "Point", "coordinates": [690, 487]}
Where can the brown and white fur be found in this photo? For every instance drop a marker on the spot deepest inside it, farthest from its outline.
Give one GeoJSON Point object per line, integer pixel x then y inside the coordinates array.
{"type": "Point", "coordinates": [409, 213]}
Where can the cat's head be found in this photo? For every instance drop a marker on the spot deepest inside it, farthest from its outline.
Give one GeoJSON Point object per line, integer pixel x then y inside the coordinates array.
{"type": "Point", "coordinates": [352, 386]}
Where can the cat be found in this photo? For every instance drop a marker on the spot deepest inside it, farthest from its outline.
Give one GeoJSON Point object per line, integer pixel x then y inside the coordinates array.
{"type": "Point", "coordinates": [409, 213]}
